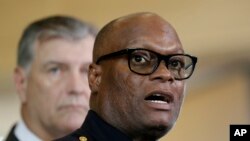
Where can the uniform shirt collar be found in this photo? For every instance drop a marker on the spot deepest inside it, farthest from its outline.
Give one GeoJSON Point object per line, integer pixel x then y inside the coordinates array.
{"type": "Point", "coordinates": [101, 130]}
{"type": "Point", "coordinates": [23, 133]}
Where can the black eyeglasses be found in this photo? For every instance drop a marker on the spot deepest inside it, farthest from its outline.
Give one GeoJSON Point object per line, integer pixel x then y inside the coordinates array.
{"type": "Point", "coordinates": [145, 62]}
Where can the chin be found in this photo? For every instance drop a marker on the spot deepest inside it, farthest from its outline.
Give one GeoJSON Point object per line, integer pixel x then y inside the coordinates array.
{"type": "Point", "coordinates": [158, 128]}
{"type": "Point", "coordinates": [153, 133]}
{"type": "Point", "coordinates": [159, 131]}
{"type": "Point", "coordinates": [76, 123]}
{"type": "Point", "coordinates": [72, 123]}
{"type": "Point", "coordinates": [70, 127]}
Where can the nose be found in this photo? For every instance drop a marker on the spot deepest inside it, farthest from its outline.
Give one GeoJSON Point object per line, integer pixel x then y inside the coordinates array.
{"type": "Point", "coordinates": [162, 73]}
{"type": "Point", "coordinates": [78, 83]}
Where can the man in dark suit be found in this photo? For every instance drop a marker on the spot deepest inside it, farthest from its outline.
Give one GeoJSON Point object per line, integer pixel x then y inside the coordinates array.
{"type": "Point", "coordinates": [137, 81]}
{"type": "Point", "coordinates": [51, 78]}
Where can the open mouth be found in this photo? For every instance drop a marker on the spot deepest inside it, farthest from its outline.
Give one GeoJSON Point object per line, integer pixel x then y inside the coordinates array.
{"type": "Point", "coordinates": [159, 98]}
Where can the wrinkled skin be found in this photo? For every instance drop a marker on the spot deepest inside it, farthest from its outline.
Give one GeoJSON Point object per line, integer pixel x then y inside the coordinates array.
{"type": "Point", "coordinates": [54, 91]}
{"type": "Point", "coordinates": [118, 95]}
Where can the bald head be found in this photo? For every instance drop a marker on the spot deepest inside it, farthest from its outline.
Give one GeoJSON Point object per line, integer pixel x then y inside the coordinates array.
{"type": "Point", "coordinates": [121, 32]}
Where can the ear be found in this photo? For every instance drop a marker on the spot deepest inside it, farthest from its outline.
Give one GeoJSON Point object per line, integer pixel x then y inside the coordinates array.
{"type": "Point", "coordinates": [20, 80]}
{"type": "Point", "coordinates": [94, 77]}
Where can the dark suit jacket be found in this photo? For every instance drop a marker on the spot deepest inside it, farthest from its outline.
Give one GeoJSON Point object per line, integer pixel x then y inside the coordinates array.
{"type": "Point", "coordinates": [11, 136]}
{"type": "Point", "coordinates": [95, 129]}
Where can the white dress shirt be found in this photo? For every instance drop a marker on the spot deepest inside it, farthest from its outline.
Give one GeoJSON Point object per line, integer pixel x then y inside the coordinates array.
{"type": "Point", "coordinates": [24, 134]}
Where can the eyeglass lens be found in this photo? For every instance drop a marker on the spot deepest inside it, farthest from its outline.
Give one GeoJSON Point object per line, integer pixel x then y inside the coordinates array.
{"type": "Point", "coordinates": [146, 62]}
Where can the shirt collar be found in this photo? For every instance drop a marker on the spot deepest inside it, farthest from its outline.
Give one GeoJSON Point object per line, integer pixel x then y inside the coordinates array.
{"type": "Point", "coordinates": [23, 133]}
{"type": "Point", "coordinates": [101, 130]}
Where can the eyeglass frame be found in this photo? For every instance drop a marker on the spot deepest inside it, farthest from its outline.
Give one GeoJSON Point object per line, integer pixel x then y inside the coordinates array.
{"type": "Point", "coordinates": [160, 57]}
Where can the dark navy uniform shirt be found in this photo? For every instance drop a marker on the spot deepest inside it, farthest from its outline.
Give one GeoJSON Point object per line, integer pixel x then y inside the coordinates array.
{"type": "Point", "coordinates": [95, 129]}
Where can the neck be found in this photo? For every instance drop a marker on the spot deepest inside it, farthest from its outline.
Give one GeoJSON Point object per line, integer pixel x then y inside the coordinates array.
{"type": "Point", "coordinates": [35, 127]}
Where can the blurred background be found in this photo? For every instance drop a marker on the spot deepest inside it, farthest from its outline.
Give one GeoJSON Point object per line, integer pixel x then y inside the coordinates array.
{"type": "Point", "coordinates": [216, 31]}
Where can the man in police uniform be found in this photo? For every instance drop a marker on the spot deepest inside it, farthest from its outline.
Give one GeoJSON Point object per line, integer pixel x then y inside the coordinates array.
{"type": "Point", "coordinates": [137, 81]}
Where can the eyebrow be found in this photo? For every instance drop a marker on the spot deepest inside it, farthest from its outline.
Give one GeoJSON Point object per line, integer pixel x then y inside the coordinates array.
{"type": "Point", "coordinates": [165, 52]}
{"type": "Point", "coordinates": [52, 62]}
{"type": "Point", "coordinates": [46, 64]}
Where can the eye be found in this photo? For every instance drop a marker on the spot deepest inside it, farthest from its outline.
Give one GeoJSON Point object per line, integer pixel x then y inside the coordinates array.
{"type": "Point", "coordinates": [138, 59]}
{"type": "Point", "coordinates": [54, 70]}
{"type": "Point", "coordinates": [142, 60]}
{"type": "Point", "coordinates": [176, 64]}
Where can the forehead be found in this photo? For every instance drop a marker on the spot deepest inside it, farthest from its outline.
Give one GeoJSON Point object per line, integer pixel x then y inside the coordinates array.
{"type": "Point", "coordinates": [64, 50]}
{"type": "Point", "coordinates": [145, 31]}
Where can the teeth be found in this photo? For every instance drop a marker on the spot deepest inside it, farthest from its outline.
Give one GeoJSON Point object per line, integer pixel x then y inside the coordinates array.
{"type": "Point", "coordinates": [158, 98]}
{"type": "Point", "coordinates": [158, 101]}
{"type": "Point", "coordinates": [157, 94]}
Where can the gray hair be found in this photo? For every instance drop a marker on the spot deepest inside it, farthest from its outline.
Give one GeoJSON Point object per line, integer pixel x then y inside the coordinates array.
{"type": "Point", "coordinates": [49, 28]}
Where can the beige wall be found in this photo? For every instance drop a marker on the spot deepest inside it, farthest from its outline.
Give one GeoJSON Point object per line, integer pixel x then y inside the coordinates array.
{"type": "Point", "coordinates": [217, 31]}
{"type": "Point", "coordinates": [207, 113]}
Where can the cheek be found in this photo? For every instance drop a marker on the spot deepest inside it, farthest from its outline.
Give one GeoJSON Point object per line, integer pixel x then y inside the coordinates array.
{"type": "Point", "coordinates": [118, 91]}
{"type": "Point", "coordinates": [134, 82]}
{"type": "Point", "coordinates": [180, 94]}
{"type": "Point", "coordinates": [127, 85]}
{"type": "Point", "coordinates": [43, 91]}
{"type": "Point", "coordinates": [180, 90]}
